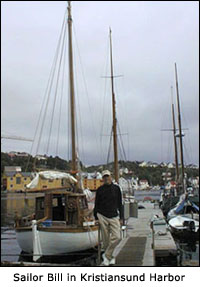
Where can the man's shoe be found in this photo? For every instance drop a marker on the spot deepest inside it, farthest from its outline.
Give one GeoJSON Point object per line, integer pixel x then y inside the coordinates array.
{"type": "Point", "coordinates": [105, 262]}
{"type": "Point", "coordinates": [112, 261]}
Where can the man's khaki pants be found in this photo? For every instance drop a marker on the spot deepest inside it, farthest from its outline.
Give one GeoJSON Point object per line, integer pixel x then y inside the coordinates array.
{"type": "Point", "coordinates": [110, 230]}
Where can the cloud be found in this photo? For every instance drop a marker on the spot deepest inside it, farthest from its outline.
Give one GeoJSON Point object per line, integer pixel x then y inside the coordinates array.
{"type": "Point", "coordinates": [148, 37]}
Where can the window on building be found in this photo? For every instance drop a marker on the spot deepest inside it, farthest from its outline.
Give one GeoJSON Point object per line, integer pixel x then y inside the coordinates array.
{"type": "Point", "coordinates": [18, 180]}
{"type": "Point", "coordinates": [11, 185]}
{"type": "Point", "coordinates": [25, 178]}
{"type": "Point", "coordinates": [11, 178]}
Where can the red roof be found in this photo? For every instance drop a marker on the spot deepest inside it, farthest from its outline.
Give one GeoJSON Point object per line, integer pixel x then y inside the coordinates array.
{"type": "Point", "coordinates": [173, 182]}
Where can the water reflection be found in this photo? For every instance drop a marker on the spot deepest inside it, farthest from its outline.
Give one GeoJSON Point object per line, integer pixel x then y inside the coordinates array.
{"type": "Point", "coordinates": [188, 253]}
{"type": "Point", "coordinates": [22, 204]}
{"type": "Point", "coordinates": [12, 203]}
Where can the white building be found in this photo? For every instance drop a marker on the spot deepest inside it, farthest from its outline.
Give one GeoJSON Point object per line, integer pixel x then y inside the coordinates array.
{"type": "Point", "coordinates": [170, 165]}
{"type": "Point", "coordinates": [143, 164]}
{"type": "Point", "coordinates": [143, 183]}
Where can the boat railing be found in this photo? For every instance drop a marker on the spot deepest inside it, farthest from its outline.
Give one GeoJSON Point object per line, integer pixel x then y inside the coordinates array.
{"type": "Point", "coordinates": [24, 221]}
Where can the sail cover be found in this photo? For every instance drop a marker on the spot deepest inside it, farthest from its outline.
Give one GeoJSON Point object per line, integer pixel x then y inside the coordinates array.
{"type": "Point", "coordinates": [50, 175]}
{"type": "Point", "coordinates": [180, 206]}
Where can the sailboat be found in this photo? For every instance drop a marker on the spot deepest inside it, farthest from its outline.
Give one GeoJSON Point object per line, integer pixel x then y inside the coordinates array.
{"type": "Point", "coordinates": [63, 222]}
{"type": "Point", "coordinates": [183, 219]}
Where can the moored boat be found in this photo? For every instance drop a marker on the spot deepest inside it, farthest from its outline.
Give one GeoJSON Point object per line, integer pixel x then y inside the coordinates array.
{"type": "Point", "coordinates": [62, 225]}
{"type": "Point", "coordinates": [184, 226]}
{"type": "Point", "coordinates": [63, 221]}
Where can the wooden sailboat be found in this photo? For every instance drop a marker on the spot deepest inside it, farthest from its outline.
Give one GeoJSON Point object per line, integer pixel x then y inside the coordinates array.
{"type": "Point", "coordinates": [62, 222]}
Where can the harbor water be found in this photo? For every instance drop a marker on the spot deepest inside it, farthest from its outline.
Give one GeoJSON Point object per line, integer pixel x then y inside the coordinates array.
{"type": "Point", "coordinates": [24, 204]}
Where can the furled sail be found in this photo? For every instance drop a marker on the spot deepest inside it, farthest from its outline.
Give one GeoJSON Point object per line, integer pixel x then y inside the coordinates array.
{"type": "Point", "coordinates": [51, 175]}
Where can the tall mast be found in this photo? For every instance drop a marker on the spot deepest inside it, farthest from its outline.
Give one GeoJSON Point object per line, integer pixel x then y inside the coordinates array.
{"type": "Point", "coordinates": [175, 145]}
{"type": "Point", "coordinates": [116, 168]}
{"type": "Point", "coordinates": [180, 129]}
{"type": "Point", "coordinates": [72, 97]}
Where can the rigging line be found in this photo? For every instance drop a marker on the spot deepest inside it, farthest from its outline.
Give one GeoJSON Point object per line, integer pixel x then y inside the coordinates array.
{"type": "Point", "coordinates": [188, 137]}
{"type": "Point", "coordinates": [186, 152]}
{"type": "Point", "coordinates": [42, 107]}
{"type": "Point", "coordinates": [61, 101]}
{"type": "Point", "coordinates": [103, 118]}
{"type": "Point", "coordinates": [56, 89]}
{"type": "Point", "coordinates": [190, 147]}
{"type": "Point", "coordinates": [104, 97]}
{"type": "Point", "coordinates": [168, 149]}
{"type": "Point", "coordinates": [69, 120]}
{"type": "Point", "coordinates": [126, 115]}
{"type": "Point", "coordinates": [170, 152]}
{"type": "Point", "coordinates": [51, 81]}
{"type": "Point", "coordinates": [128, 143]}
{"type": "Point", "coordinates": [120, 150]}
{"type": "Point", "coordinates": [84, 80]}
{"type": "Point", "coordinates": [120, 135]}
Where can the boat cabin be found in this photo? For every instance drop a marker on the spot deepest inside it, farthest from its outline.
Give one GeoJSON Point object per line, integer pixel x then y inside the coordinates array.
{"type": "Point", "coordinates": [67, 207]}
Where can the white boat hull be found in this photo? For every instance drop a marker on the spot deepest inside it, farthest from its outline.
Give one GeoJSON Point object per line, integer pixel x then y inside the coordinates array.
{"type": "Point", "coordinates": [55, 243]}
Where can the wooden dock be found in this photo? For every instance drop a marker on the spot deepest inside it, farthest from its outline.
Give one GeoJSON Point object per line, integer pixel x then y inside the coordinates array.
{"type": "Point", "coordinates": [147, 244]}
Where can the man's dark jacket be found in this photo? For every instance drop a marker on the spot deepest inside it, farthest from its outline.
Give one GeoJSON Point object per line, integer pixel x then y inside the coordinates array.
{"type": "Point", "coordinates": [108, 201]}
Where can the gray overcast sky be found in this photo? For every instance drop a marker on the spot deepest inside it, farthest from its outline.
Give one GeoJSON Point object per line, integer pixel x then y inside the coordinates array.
{"type": "Point", "coordinates": [148, 38]}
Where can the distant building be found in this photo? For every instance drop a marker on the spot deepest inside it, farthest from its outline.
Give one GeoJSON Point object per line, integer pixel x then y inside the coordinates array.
{"type": "Point", "coordinates": [92, 181]}
{"type": "Point", "coordinates": [12, 154]}
{"type": "Point", "coordinates": [40, 157]}
{"type": "Point", "coordinates": [192, 166]}
{"type": "Point", "coordinates": [170, 165]}
{"type": "Point", "coordinates": [22, 154]}
{"type": "Point", "coordinates": [166, 176]}
{"type": "Point", "coordinates": [163, 164]}
{"type": "Point", "coordinates": [15, 180]}
{"type": "Point", "coordinates": [123, 170]}
{"type": "Point", "coordinates": [17, 154]}
{"type": "Point", "coordinates": [12, 169]}
{"type": "Point", "coordinates": [143, 164]}
{"type": "Point", "coordinates": [143, 184]}
{"type": "Point", "coordinates": [152, 164]}
{"type": "Point", "coordinates": [135, 184]}
{"type": "Point", "coordinates": [171, 184]}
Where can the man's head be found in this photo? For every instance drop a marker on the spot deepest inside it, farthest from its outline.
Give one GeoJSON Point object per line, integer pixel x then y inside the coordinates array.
{"type": "Point", "coordinates": [106, 176]}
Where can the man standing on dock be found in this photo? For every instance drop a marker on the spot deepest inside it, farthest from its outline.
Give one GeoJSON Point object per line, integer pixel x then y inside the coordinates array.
{"type": "Point", "coordinates": [109, 211]}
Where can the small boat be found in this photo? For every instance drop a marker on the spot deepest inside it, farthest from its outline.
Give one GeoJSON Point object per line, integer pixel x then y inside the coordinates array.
{"type": "Point", "coordinates": [185, 226]}
{"type": "Point", "coordinates": [183, 219]}
{"type": "Point", "coordinates": [60, 225]}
